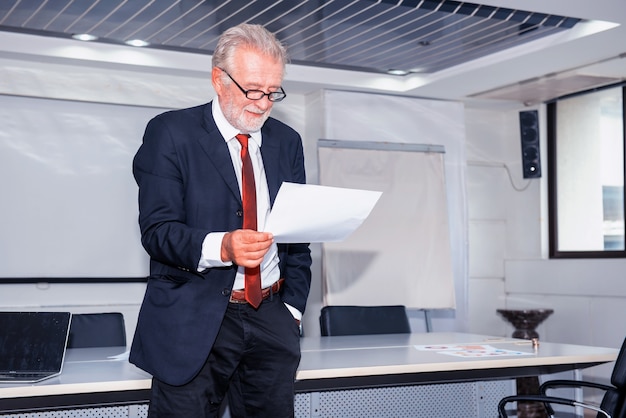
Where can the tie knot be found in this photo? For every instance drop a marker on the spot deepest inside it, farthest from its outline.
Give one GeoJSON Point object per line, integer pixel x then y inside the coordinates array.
{"type": "Point", "coordinates": [243, 139]}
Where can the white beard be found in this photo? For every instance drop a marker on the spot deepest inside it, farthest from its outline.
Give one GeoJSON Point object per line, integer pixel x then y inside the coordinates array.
{"type": "Point", "coordinates": [244, 124]}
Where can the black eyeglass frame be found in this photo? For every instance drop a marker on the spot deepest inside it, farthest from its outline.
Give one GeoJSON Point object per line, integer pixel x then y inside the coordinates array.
{"type": "Point", "coordinates": [271, 96]}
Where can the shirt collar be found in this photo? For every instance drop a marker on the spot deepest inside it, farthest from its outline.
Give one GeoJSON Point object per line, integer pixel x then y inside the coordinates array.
{"type": "Point", "coordinates": [227, 130]}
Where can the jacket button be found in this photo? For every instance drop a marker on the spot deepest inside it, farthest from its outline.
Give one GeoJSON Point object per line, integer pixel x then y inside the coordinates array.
{"type": "Point", "coordinates": [225, 292]}
{"type": "Point", "coordinates": [239, 213]}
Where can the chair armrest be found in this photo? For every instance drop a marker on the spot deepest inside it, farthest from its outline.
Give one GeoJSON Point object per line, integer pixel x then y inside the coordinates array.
{"type": "Point", "coordinates": [545, 400]}
{"type": "Point", "coordinates": [564, 383]}
{"type": "Point", "coordinates": [553, 384]}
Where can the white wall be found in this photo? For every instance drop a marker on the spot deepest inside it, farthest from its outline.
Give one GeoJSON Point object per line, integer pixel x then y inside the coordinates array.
{"type": "Point", "coordinates": [492, 149]}
{"type": "Point", "coordinates": [508, 246]}
{"type": "Point", "coordinates": [506, 227]}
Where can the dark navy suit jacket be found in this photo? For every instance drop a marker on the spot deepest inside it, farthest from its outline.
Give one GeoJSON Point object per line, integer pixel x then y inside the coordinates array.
{"type": "Point", "coordinates": [188, 188]}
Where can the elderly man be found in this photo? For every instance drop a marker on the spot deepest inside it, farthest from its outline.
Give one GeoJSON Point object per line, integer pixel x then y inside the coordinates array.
{"type": "Point", "coordinates": [223, 302]}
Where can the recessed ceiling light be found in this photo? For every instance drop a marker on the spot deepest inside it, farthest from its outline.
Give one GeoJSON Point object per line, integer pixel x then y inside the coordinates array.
{"type": "Point", "coordinates": [397, 72]}
{"type": "Point", "coordinates": [84, 37]}
{"type": "Point", "coordinates": [137, 42]}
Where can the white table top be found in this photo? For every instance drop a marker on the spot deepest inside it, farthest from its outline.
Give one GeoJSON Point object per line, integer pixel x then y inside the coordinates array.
{"type": "Point", "coordinates": [329, 362]}
{"type": "Point", "coordinates": [371, 360]}
{"type": "Point", "coordinates": [86, 370]}
{"type": "Point", "coordinates": [373, 354]}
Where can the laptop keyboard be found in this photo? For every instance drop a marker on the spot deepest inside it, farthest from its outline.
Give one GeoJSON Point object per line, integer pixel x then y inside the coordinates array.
{"type": "Point", "coordinates": [21, 376]}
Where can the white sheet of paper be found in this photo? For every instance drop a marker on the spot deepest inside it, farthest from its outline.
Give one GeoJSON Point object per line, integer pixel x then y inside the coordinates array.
{"type": "Point", "coordinates": [312, 213]}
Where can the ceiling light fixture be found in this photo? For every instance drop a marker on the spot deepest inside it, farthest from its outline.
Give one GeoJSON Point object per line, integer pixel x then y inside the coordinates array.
{"type": "Point", "coordinates": [397, 72]}
{"type": "Point", "coordinates": [136, 42]}
{"type": "Point", "coordinates": [84, 37]}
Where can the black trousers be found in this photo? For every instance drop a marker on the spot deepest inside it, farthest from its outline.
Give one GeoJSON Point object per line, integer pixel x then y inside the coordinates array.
{"type": "Point", "coordinates": [253, 362]}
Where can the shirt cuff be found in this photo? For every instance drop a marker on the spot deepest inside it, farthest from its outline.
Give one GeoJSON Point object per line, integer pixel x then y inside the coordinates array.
{"type": "Point", "coordinates": [296, 313]}
{"type": "Point", "coordinates": [212, 252]}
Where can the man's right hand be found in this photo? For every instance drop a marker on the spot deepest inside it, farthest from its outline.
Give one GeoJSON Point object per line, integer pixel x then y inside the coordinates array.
{"type": "Point", "coordinates": [246, 247]}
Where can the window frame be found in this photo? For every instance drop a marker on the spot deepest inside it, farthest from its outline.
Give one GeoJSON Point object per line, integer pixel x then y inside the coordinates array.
{"type": "Point", "coordinates": [551, 116]}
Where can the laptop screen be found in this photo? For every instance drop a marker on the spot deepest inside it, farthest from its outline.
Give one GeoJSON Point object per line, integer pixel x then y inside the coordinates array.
{"type": "Point", "coordinates": [33, 342]}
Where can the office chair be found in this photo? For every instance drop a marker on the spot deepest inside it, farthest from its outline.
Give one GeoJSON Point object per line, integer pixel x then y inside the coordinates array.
{"type": "Point", "coordinates": [362, 320]}
{"type": "Point", "coordinates": [97, 330]}
{"type": "Point", "coordinates": [612, 404]}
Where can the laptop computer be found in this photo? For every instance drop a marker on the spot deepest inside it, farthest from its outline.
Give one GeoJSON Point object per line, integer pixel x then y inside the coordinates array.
{"type": "Point", "coordinates": [32, 345]}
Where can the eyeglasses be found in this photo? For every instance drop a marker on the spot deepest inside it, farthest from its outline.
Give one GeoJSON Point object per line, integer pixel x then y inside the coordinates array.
{"type": "Point", "coordinates": [272, 96]}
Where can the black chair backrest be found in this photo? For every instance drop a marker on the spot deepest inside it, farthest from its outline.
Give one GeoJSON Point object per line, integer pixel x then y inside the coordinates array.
{"type": "Point", "coordinates": [618, 377]}
{"type": "Point", "coordinates": [97, 330]}
{"type": "Point", "coordinates": [363, 320]}
{"type": "Point", "coordinates": [611, 403]}
{"type": "Point", "coordinates": [615, 400]}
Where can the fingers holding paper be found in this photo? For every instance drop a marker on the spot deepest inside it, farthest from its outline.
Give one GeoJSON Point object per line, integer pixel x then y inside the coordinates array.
{"type": "Point", "coordinates": [246, 247]}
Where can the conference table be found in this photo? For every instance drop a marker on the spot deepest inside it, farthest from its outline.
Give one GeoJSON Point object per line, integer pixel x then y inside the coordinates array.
{"type": "Point", "coordinates": [342, 364]}
{"type": "Point", "coordinates": [365, 361]}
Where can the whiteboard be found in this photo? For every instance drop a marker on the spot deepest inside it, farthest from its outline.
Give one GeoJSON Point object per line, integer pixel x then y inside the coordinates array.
{"type": "Point", "coordinates": [401, 254]}
{"type": "Point", "coordinates": [69, 200]}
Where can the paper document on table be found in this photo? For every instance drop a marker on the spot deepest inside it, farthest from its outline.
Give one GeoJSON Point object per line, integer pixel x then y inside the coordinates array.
{"type": "Point", "coordinates": [474, 350]}
{"type": "Point", "coordinates": [312, 213]}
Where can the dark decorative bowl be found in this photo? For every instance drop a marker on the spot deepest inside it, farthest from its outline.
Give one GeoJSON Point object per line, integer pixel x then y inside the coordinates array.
{"type": "Point", "coordinates": [525, 320]}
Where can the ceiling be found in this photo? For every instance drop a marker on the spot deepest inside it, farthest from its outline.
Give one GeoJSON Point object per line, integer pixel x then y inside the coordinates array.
{"type": "Point", "coordinates": [425, 36]}
{"type": "Point", "coordinates": [484, 51]}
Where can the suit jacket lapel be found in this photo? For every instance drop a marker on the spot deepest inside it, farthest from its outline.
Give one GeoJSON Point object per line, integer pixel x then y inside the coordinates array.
{"type": "Point", "coordinates": [216, 149]}
{"type": "Point", "coordinates": [270, 151]}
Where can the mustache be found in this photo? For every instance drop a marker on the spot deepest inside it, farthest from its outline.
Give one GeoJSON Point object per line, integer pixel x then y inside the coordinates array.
{"type": "Point", "coordinates": [254, 109]}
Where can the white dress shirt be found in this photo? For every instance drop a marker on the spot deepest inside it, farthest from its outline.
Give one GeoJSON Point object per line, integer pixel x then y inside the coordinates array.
{"type": "Point", "coordinates": [212, 244]}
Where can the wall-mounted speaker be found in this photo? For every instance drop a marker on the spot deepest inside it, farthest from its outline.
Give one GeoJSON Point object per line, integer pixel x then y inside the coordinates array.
{"type": "Point", "coordinates": [529, 130]}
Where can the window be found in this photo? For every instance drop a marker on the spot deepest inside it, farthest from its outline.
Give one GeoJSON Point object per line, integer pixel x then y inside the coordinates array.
{"type": "Point", "coordinates": [586, 174]}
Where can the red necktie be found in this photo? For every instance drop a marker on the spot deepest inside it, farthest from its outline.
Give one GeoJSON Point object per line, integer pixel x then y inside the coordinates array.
{"type": "Point", "coordinates": [252, 288]}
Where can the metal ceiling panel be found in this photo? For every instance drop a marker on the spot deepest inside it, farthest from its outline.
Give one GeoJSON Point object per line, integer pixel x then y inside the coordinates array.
{"type": "Point", "coordinates": [422, 36]}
